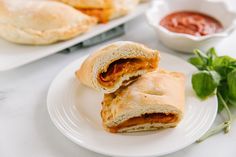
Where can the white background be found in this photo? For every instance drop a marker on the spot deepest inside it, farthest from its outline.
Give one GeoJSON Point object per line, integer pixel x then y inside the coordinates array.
{"type": "Point", "coordinates": [26, 129]}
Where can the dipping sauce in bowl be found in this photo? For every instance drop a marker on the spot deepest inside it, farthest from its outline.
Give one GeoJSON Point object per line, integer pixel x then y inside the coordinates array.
{"type": "Point", "coordinates": [193, 23]}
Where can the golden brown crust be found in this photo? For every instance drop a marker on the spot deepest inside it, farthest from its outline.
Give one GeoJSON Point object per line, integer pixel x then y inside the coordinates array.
{"type": "Point", "coordinates": [151, 93]}
{"type": "Point", "coordinates": [41, 22]}
{"type": "Point", "coordinates": [122, 7]}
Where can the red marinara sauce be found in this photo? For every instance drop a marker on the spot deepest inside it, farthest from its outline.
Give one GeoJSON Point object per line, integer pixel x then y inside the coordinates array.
{"type": "Point", "coordinates": [193, 23]}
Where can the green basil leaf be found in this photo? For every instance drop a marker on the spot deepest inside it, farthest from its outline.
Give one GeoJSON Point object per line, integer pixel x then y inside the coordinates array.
{"type": "Point", "coordinates": [231, 81]}
{"type": "Point", "coordinates": [232, 102]}
{"type": "Point", "coordinates": [212, 55]}
{"type": "Point", "coordinates": [223, 65]}
{"type": "Point", "coordinates": [223, 90]}
{"type": "Point", "coordinates": [205, 82]}
{"type": "Point", "coordinates": [228, 102]}
{"type": "Point", "coordinates": [220, 105]}
{"type": "Point", "coordinates": [215, 76]}
{"type": "Point", "coordinates": [233, 64]}
{"type": "Point", "coordinates": [204, 58]}
{"type": "Point", "coordinates": [197, 62]}
{"type": "Point", "coordinates": [223, 61]}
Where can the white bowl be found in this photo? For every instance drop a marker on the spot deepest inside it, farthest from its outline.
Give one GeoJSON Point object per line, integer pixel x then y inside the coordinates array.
{"type": "Point", "coordinates": [184, 42]}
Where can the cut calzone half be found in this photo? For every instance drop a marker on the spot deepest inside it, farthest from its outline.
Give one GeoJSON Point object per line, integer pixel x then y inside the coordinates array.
{"type": "Point", "coordinates": [156, 100]}
{"type": "Point", "coordinates": [41, 22]}
{"type": "Point", "coordinates": [117, 65]}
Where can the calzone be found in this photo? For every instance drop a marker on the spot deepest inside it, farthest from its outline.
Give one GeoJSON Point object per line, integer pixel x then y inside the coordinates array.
{"type": "Point", "coordinates": [156, 100]}
{"type": "Point", "coordinates": [41, 22]}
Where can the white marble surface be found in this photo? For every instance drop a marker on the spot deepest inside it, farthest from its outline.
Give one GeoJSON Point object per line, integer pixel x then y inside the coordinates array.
{"type": "Point", "coordinates": [26, 129]}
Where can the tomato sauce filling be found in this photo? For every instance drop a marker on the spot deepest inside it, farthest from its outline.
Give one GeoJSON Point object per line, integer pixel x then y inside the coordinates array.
{"type": "Point", "coordinates": [146, 118]}
{"type": "Point", "coordinates": [124, 66]}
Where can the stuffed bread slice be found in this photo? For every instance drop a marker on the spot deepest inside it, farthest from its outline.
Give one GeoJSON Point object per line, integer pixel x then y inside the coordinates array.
{"type": "Point", "coordinates": [41, 22]}
{"type": "Point", "coordinates": [117, 64]}
{"type": "Point", "coordinates": [156, 100]}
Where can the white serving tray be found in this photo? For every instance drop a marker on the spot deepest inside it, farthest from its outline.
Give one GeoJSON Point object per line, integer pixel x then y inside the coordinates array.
{"type": "Point", "coordinates": [14, 55]}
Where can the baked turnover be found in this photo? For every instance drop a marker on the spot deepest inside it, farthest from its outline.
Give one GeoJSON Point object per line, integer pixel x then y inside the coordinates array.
{"type": "Point", "coordinates": [117, 65]}
{"type": "Point", "coordinates": [41, 22]}
{"type": "Point", "coordinates": [149, 103]}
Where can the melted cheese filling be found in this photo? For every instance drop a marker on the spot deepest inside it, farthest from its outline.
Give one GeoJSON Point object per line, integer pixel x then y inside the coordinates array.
{"type": "Point", "coordinates": [144, 119]}
{"type": "Point", "coordinates": [103, 15]}
{"type": "Point", "coordinates": [124, 66]}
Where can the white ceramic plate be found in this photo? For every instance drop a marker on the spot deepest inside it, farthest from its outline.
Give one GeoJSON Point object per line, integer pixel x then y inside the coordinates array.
{"type": "Point", "coordinates": [75, 111]}
{"type": "Point", "coordinates": [14, 55]}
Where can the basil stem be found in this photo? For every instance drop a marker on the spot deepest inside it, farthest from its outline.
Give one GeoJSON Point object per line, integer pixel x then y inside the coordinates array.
{"type": "Point", "coordinates": [228, 113]}
{"type": "Point", "coordinates": [223, 126]}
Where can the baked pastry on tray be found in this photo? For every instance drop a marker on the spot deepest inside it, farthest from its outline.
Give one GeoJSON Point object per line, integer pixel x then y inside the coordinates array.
{"type": "Point", "coordinates": [156, 100]}
{"type": "Point", "coordinates": [103, 10]}
{"type": "Point", "coordinates": [89, 4]}
{"type": "Point", "coordinates": [117, 65]}
{"type": "Point", "coordinates": [41, 22]}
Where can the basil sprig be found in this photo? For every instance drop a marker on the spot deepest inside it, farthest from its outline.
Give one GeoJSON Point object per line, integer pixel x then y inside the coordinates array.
{"type": "Point", "coordinates": [216, 75]}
